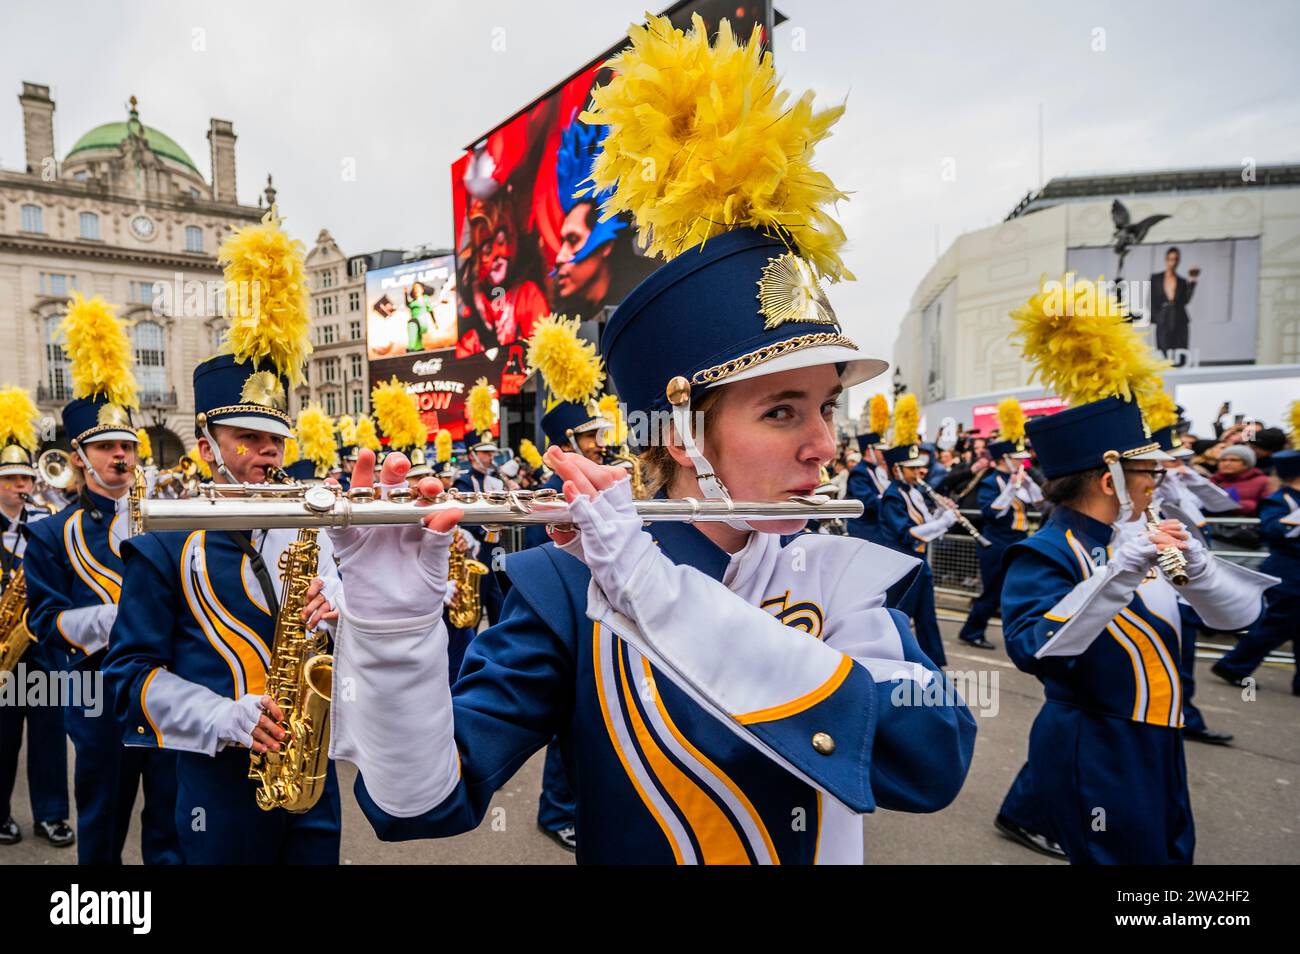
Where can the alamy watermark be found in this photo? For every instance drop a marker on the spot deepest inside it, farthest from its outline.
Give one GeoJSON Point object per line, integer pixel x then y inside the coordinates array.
{"type": "Point", "coordinates": [37, 687]}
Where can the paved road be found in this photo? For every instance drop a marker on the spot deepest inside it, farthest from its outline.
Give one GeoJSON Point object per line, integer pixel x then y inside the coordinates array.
{"type": "Point", "coordinates": [1246, 798]}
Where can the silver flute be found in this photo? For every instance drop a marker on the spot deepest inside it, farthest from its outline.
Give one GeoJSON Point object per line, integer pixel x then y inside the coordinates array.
{"type": "Point", "coordinates": [263, 506]}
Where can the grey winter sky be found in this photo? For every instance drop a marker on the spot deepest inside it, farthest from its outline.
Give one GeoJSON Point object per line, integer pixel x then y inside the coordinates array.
{"type": "Point", "coordinates": [400, 88]}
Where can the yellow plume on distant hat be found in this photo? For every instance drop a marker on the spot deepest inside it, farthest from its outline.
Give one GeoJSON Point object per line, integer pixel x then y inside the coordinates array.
{"type": "Point", "coordinates": [99, 351]}
{"type": "Point", "coordinates": [347, 429]}
{"type": "Point", "coordinates": [703, 140]}
{"type": "Point", "coordinates": [907, 421]}
{"type": "Point", "coordinates": [878, 415]}
{"type": "Point", "coordinates": [442, 446]}
{"type": "Point", "coordinates": [18, 417]}
{"type": "Point", "coordinates": [364, 435]}
{"type": "Point", "coordinates": [398, 415]}
{"type": "Point", "coordinates": [1011, 420]}
{"type": "Point", "coordinates": [1158, 408]}
{"type": "Point", "coordinates": [569, 365]}
{"type": "Point", "coordinates": [266, 297]}
{"type": "Point", "coordinates": [531, 455]}
{"type": "Point", "coordinates": [316, 438]}
{"type": "Point", "coordinates": [292, 453]}
{"type": "Point", "coordinates": [143, 449]}
{"type": "Point", "coordinates": [1295, 424]}
{"type": "Point", "coordinates": [478, 408]}
{"type": "Point", "coordinates": [1082, 345]}
{"type": "Point", "coordinates": [610, 411]}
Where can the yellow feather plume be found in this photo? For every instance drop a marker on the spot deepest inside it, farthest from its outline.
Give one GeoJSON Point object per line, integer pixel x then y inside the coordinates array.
{"type": "Point", "coordinates": [398, 415]}
{"type": "Point", "coordinates": [611, 411]}
{"type": "Point", "coordinates": [1158, 408]}
{"type": "Point", "coordinates": [531, 455]}
{"type": "Point", "coordinates": [478, 408]}
{"type": "Point", "coordinates": [1081, 346]}
{"type": "Point", "coordinates": [365, 435]}
{"type": "Point", "coordinates": [266, 297]}
{"type": "Point", "coordinates": [99, 351]}
{"type": "Point", "coordinates": [347, 429]}
{"type": "Point", "coordinates": [570, 366]}
{"type": "Point", "coordinates": [878, 414]}
{"type": "Point", "coordinates": [442, 446]}
{"type": "Point", "coordinates": [1011, 420]}
{"type": "Point", "coordinates": [144, 449]}
{"type": "Point", "coordinates": [18, 416]}
{"type": "Point", "coordinates": [907, 421]}
{"type": "Point", "coordinates": [702, 140]}
{"type": "Point", "coordinates": [1295, 424]}
{"type": "Point", "coordinates": [316, 438]}
{"type": "Point", "coordinates": [292, 453]}
{"type": "Point", "coordinates": [203, 470]}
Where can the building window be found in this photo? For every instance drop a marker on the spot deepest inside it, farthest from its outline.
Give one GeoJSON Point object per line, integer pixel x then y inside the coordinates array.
{"type": "Point", "coordinates": [56, 284]}
{"type": "Point", "coordinates": [357, 267]}
{"type": "Point", "coordinates": [358, 402]}
{"type": "Point", "coordinates": [150, 343]}
{"type": "Point", "coordinates": [139, 293]}
{"type": "Point", "coordinates": [331, 368]}
{"type": "Point", "coordinates": [33, 219]}
{"type": "Point", "coordinates": [354, 301]}
{"type": "Point", "coordinates": [193, 238]}
{"type": "Point", "coordinates": [195, 193]}
{"type": "Point", "coordinates": [327, 278]}
{"type": "Point", "coordinates": [331, 403]}
{"type": "Point", "coordinates": [354, 330]}
{"type": "Point", "coordinates": [327, 305]}
{"type": "Point", "coordinates": [90, 226]}
{"type": "Point", "coordinates": [59, 372]}
{"type": "Point", "coordinates": [327, 334]}
{"type": "Point", "coordinates": [356, 366]}
{"type": "Point", "coordinates": [81, 176]}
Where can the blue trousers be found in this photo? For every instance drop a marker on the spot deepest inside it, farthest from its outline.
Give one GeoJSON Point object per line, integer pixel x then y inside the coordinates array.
{"type": "Point", "coordinates": [1019, 806]}
{"type": "Point", "coordinates": [47, 759]}
{"type": "Point", "coordinates": [556, 807]}
{"type": "Point", "coordinates": [989, 603]}
{"type": "Point", "coordinates": [919, 604]}
{"type": "Point", "coordinates": [458, 640]}
{"type": "Point", "coordinates": [1279, 622]}
{"type": "Point", "coordinates": [106, 777]}
{"type": "Point", "coordinates": [219, 822]}
{"type": "Point", "coordinates": [1114, 790]}
{"type": "Point", "coordinates": [1190, 624]}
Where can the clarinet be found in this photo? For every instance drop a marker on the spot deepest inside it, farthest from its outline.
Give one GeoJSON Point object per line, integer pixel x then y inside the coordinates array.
{"type": "Point", "coordinates": [1172, 562]}
{"type": "Point", "coordinates": [941, 501]}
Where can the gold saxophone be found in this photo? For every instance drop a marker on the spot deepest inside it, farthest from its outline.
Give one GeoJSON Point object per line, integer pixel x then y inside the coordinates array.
{"type": "Point", "coordinates": [299, 680]}
{"type": "Point", "coordinates": [15, 637]}
{"type": "Point", "coordinates": [466, 607]}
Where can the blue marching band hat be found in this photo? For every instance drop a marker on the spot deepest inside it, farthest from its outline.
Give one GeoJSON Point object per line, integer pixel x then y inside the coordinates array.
{"type": "Point", "coordinates": [241, 395]}
{"type": "Point", "coordinates": [1286, 463]}
{"type": "Point", "coordinates": [869, 439]}
{"type": "Point", "coordinates": [907, 455]}
{"type": "Point", "coordinates": [1016, 449]}
{"type": "Point", "coordinates": [562, 423]}
{"type": "Point", "coordinates": [1168, 440]}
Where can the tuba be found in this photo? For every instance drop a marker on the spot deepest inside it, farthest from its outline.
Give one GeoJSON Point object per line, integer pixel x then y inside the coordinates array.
{"type": "Point", "coordinates": [15, 637]}
{"type": "Point", "coordinates": [466, 607]}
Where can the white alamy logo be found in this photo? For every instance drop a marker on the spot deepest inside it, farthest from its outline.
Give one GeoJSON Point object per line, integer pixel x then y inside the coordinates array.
{"type": "Point", "coordinates": [103, 907]}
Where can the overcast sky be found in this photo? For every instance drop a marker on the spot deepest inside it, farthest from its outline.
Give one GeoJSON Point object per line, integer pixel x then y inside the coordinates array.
{"type": "Point", "coordinates": [397, 89]}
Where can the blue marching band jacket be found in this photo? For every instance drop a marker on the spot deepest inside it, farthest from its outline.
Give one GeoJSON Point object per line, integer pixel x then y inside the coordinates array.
{"type": "Point", "coordinates": [906, 523]}
{"type": "Point", "coordinates": [760, 743]}
{"type": "Point", "coordinates": [1279, 525]}
{"type": "Point", "coordinates": [867, 483]}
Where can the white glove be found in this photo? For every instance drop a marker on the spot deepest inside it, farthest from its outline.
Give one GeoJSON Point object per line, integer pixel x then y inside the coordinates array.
{"type": "Point", "coordinates": [609, 539]}
{"type": "Point", "coordinates": [1198, 558]}
{"type": "Point", "coordinates": [89, 626]}
{"type": "Point", "coordinates": [236, 719]}
{"type": "Point", "coordinates": [949, 517]}
{"type": "Point", "coordinates": [1135, 554]}
{"type": "Point", "coordinates": [395, 572]}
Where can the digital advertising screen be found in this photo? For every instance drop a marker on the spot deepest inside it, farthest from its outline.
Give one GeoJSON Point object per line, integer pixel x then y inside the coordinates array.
{"type": "Point", "coordinates": [410, 311]}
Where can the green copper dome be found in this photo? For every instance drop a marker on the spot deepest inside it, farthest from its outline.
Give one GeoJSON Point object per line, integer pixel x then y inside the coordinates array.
{"type": "Point", "coordinates": [110, 135]}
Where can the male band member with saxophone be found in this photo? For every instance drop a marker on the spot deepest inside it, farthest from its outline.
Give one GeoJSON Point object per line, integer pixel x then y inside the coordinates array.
{"type": "Point", "coordinates": [1084, 608]}
{"type": "Point", "coordinates": [73, 567]}
{"type": "Point", "coordinates": [730, 696]}
{"type": "Point", "coordinates": [1006, 492]}
{"type": "Point", "coordinates": [47, 745]}
{"type": "Point", "coordinates": [480, 477]}
{"type": "Point", "coordinates": [909, 526]}
{"type": "Point", "coordinates": [194, 644]}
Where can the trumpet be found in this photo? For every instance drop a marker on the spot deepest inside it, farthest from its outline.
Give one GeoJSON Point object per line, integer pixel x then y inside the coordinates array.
{"type": "Point", "coordinates": [939, 500]}
{"type": "Point", "coordinates": [1172, 562]}
{"type": "Point", "coordinates": [261, 506]}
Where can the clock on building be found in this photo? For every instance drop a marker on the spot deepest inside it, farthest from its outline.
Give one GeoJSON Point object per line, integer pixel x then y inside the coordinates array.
{"type": "Point", "coordinates": [142, 227]}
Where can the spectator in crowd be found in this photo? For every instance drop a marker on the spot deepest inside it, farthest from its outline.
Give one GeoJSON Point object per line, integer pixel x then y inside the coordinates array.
{"type": "Point", "coordinates": [1267, 442]}
{"type": "Point", "coordinates": [1240, 478]}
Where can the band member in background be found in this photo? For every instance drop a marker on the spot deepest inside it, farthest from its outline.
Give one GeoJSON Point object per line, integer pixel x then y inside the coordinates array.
{"type": "Point", "coordinates": [686, 749]}
{"type": "Point", "coordinates": [47, 746]}
{"type": "Point", "coordinates": [1082, 612]}
{"type": "Point", "coordinates": [191, 649]}
{"type": "Point", "coordinates": [1005, 494]}
{"type": "Point", "coordinates": [868, 481]}
{"type": "Point", "coordinates": [480, 477]}
{"type": "Point", "coordinates": [73, 566]}
{"type": "Point", "coordinates": [909, 526]}
{"type": "Point", "coordinates": [1279, 524]}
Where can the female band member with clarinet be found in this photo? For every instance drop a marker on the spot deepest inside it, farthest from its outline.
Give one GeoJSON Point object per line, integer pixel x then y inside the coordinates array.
{"type": "Point", "coordinates": [1089, 606]}
{"type": "Point", "coordinates": [714, 682]}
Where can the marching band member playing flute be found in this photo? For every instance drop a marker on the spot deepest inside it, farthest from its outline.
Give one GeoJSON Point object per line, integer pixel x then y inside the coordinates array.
{"type": "Point", "coordinates": [1084, 608]}
{"type": "Point", "coordinates": [729, 695]}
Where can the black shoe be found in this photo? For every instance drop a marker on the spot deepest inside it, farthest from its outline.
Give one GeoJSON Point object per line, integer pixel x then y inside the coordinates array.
{"type": "Point", "coordinates": [57, 833]}
{"type": "Point", "coordinates": [1208, 736]}
{"type": "Point", "coordinates": [1031, 840]}
{"type": "Point", "coordinates": [979, 642]}
{"type": "Point", "coordinates": [1228, 677]}
{"type": "Point", "coordinates": [566, 837]}
{"type": "Point", "coordinates": [10, 833]}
